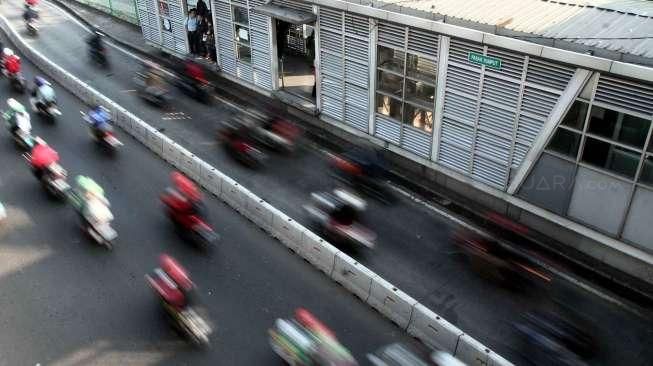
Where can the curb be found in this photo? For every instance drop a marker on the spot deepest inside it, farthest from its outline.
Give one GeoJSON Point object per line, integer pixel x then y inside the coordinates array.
{"type": "Point", "coordinates": [382, 295]}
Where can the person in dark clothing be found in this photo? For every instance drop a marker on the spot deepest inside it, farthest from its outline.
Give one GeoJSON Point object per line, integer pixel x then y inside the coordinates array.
{"type": "Point", "coordinates": [202, 9]}
{"type": "Point", "coordinates": [202, 30]}
{"type": "Point", "coordinates": [210, 44]}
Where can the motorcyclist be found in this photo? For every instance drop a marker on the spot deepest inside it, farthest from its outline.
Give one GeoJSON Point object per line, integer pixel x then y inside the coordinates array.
{"type": "Point", "coordinates": [95, 43]}
{"type": "Point", "coordinates": [184, 197]}
{"type": "Point", "coordinates": [15, 108]}
{"type": "Point", "coordinates": [30, 13]}
{"type": "Point", "coordinates": [41, 156]}
{"type": "Point", "coordinates": [90, 196]}
{"type": "Point", "coordinates": [174, 283]}
{"type": "Point", "coordinates": [154, 83]}
{"type": "Point", "coordinates": [10, 62]}
{"type": "Point", "coordinates": [99, 119]}
{"type": "Point", "coordinates": [42, 93]}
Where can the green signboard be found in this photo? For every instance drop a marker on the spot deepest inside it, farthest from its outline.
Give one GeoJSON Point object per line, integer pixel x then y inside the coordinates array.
{"type": "Point", "coordinates": [480, 59]}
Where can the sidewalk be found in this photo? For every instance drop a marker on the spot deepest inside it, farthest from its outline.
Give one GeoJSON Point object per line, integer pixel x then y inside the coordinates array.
{"type": "Point", "coordinates": [406, 174]}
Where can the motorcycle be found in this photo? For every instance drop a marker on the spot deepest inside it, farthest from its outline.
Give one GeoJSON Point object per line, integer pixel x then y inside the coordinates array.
{"type": "Point", "coordinates": [94, 213]}
{"type": "Point", "coordinates": [494, 261]}
{"type": "Point", "coordinates": [22, 135]}
{"type": "Point", "coordinates": [173, 287]}
{"type": "Point", "coordinates": [99, 56]}
{"type": "Point", "coordinates": [46, 108]}
{"type": "Point", "coordinates": [52, 176]}
{"type": "Point", "coordinates": [240, 145]}
{"type": "Point", "coordinates": [16, 81]}
{"type": "Point", "coordinates": [278, 134]}
{"type": "Point", "coordinates": [196, 88]}
{"type": "Point", "coordinates": [190, 224]}
{"type": "Point", "coordinates": [158, 96]}
{"type": "Point", "coordinates": [32, 27]}
{"type": "Point", "coordinates": [363, 170]}
{"type": "Point", "coordinates": [336, 216]}
{"type": "Point", "coordinates": [104, 136]}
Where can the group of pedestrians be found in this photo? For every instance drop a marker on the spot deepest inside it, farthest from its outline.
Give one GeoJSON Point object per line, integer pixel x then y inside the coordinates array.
{"type": "Point", "coordinates": [200, 32]}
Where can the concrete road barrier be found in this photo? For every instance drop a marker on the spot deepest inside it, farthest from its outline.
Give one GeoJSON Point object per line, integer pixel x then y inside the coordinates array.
{"type": "Point", "coordinates": [391, 302]}
{"type": "Point", "coordinates": [433, 330]}
{"type": "Point", "coordinates": [353, 276]}
{"type": "Point", "coordinates": [380, 294]}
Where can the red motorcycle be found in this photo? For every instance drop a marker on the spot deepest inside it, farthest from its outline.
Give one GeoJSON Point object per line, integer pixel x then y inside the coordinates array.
{"type": "Point", "coordinates": [44, 162]}
{"type": "Point", "coordinates": [239, 142]}
{"type": "Point", "coordinates": [278, 134]}
{"type": "Point", "coordinates": [185, 211]}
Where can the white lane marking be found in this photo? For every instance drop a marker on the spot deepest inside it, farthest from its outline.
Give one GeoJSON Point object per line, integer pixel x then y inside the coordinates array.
{"type": "Point", "coordinates": [479, 231]}
{"type": "Point", "coordinates": [438, 211]}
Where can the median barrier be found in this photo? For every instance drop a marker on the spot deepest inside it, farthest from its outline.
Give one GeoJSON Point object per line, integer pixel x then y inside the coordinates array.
{"type": "Point", "coordinates": [155, 143]}
{"type": "Point", "coordinates": [210, 179]}
{"type": "Point", "coordinates": [318, 252]}
{"type": "Point", "coordinates": [287, 230]}
{"type": "Point", "coordinates": [472, 352]}
{"type": "Point", "coordinates": [433, 330]}
{"type": "Point", "coordinates": [391, 302]}
{"type": "Point", "coordinates": [353, 276]}
{"type": "Point", "coordinates": [384, 297]}
{"type": "Point", "coordinates": [260, 212]}
{"type": "Point", "coordinates": [190, 165]}
{"type": "Point", "coordinates": [231, 193]}
{"type": "Point", "coordinates": [496, 360]}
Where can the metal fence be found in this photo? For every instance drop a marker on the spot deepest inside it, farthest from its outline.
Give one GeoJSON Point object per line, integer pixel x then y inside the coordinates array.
{"type": "Point", "coordinates": [123, 9]}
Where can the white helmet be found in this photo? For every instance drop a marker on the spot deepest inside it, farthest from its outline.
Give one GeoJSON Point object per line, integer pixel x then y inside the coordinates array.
{"type": "Point", "coordinates": [8, 52]}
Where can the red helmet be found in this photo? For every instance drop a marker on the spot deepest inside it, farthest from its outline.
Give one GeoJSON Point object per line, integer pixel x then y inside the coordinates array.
{"type": "Point", "coordinates": [43, 155]}
{"type": "Point", "coordinates": [186, 186]}
{"type": "Point", "coordinates": [176, 272]}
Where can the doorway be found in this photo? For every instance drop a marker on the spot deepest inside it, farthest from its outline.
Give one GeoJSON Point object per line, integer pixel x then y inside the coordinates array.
{"type": "Point", "coordinates": [296, 53]}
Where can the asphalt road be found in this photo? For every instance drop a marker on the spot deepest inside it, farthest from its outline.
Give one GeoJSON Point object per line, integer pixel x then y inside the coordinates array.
{"type": "Point", "coordinates": [414, 250]}
{"type": "Point", "coordinates": [66, 301]}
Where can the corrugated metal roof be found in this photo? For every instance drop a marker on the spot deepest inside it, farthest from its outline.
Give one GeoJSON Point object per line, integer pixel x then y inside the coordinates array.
{"type": "Point", "coordinates": [622, 26]}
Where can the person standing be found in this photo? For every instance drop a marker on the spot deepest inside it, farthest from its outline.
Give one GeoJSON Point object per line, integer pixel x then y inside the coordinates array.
{"type": "Point", "coordinates": [191, 29]}
{"type": "Point", "coordinates": [202, 30]}
{"type": "Point", "coordinates": [202, 9]}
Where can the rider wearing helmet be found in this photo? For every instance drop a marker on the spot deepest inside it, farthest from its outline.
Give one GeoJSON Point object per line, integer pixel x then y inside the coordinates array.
{"type": "Point", "coordinates": [10, 61]}
{"type": "Point", "coordinates": [42, 92]}
{"type": "Point", "coordinates": [185, 197]}
{"type": "Point", "coordinates": [99, 118]}
{"type": "Point", "coordinates": [15, 108]}
{"type": "Point", "coordinates": [30, 12]}
{"type": "Point", "coordinates": [42, 156]}
{"type": "Point", "coordinates": [95, 41]}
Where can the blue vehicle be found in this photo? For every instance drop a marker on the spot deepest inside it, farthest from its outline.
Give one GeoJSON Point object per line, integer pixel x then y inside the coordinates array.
{"type": "Point", "coordinates": [99, 120]}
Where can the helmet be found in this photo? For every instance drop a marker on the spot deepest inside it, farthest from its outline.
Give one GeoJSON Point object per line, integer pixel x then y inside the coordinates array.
{"type": "Point", "coordinates": [7, 52]}
{"type": "Point", "coordinates": [39, 81]}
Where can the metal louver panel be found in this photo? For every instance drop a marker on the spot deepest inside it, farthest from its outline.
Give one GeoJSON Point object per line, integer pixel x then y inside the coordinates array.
{"type": "Point", "coordinates": [227, 56]}
{"type": "Point", "coordinates": [331, 19]}
{"type": "Point", "coordinates": [356, 116]}
{"type": "Point", "coordinates": [461, 108]}
{"type": "Point", "coordinates": [331, 41]}
{"type": "Point", "coordinates": [458, 134]}
{"type": "Point", "coordinates": [253, 3]}
{"type": "Point", "coordinates": [168, 40]}
{"type": "Point", "coordinates": [259, 23]}
{"type": "Point", "coordinates": [489, 172]}
{"type": "Point", "coordinates": [223, 18]}
{"type": "Point", "coordinates": [493, 146]}
{"type": "Point", "coordinates": [629, 95]}
{"type": "Point", "coordinates": [262, 79]}
{"type": "Point", "coordinates": [297, 5]}
{"type": "Point", "coordinates": [259, 41]}
{"type": "Point", "coordinates": [330, 64]}
{"type": "Point", "coordinates": [387, 129]}
{"type": "Point", "coordinates": [357, 25]}
{"type": "Point", "coordinates": [496, 120]}
{"type": "Point", "coordinates": [391, 34]}
{"type": "Point", "coordinates": [357, 73]}
{"type": "Point", "coordinates": [519, 153]}
{"type": "Point", "coordinates": [357, 49]}
{"type": "Point", "coordinates": [528, 128]}
{"type": "Point", "coordinates": [242, 3]}
{"type": "Point", "coordinates": [512, 65]}
{"type": "Point", "coordinates": [332, 87]}
{"type": "Point", "coordinates": [332, 107]}
{"type": "Point", "coordinates": [356, 95]}
{"type": "Point", "coordinates": [538, 102]}
{"type": "Point", "coordinates": [463, 80]}
{"type": "Point", "coordinates": [454, 157]}
{"type": "Point", "coordinates": [549, 74]}
{"type": "Point", "coordinates": [500, 91]}
{"type": "Point", "coordinates": [459, 50]}
{"type": "Point", "coordinates": [245, 71]}
{"type": "Point", "coordinates": [417, 142]}
{"type": "Point", "coordinates": [423, 42]}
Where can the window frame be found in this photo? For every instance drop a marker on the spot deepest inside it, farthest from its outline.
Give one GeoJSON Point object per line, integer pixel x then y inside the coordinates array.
{"type": "Point", "coordinates": [235, 26]}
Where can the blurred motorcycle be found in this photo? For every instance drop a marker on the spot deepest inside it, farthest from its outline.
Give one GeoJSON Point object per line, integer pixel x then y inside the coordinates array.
{"type": "Point", "coordinates": [100, 128]}
{"type": "Point", "coordinates": [336, 216]}
{"type": "Point", "coordinates": [151, 86]}
{"type": "Point", "coordinates": [237, 140]}
{"type": "Point", "coordinates": [277, 134]}
{"type": "Point", "coordinates": [19, 125]}
{"type": "Point", "coordinates": [44, 162]}
{"type": "Point", "coordinates": [92, 206]}
{"type": "Point", "coordinates": [364, 170]}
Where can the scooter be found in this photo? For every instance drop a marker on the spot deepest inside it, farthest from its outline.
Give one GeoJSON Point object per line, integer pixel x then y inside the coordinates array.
{"type": "Point", "coordinates": [364, 171]}
{"type": "Point", "coordinates": [47, 109]}
{"type": "Point", "coordinates": [53, 178]}
{"type": "Point", "coordinates": [32, 27]}
{"type": "Point", "coordinates": [278, 134]}
{"type": "Point", "coordinates": [23, 134]}
{"type": "Point", "coordinates": [105, 137]}
{"type": "Point", "coordinates": [97, 224]}
{"type": "Point", "coordinates": [158, 96]}
{"type": "Point", "coordinates": [336, 216]}
{"type": "Point", "coordinates": [191, 225]}
{"type": "Point", "coordinates": [16, 81]}
{"type": "Point", "coordinates": [241, 147]}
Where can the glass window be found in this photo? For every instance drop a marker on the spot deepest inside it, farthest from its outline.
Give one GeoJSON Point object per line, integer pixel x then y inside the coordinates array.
{"type": "Point", "coordinates": [388, 106]}
{"type": "Point", "coordinates": [240, 15]}
{"type": "Point", "coordinates": [418, 117]}
{"type": "Point", "coordinates": [618, 126]}
{"type": "Point", "coordinates": [242, 34]}
{"type": "Point", "coordinates": [390, 83]}
{"type": "Point", "coordinates": [575, 118]}
{"type": "Point", "coordinates": [613, 158]}
{"type": "Point", "coordinates": [390, 59]}
{"type": "Point", "coordinates": [650, 145]}
{"type": "Point", "coordinates": [421, 68]}
{"type": "Point", "coordinates": [244, 53]}
{"type": "Point", "coordinates": [647, 171]}
{"type": "Point", "coordinates": [565, 142]}
{"type": "Point", "coordinates": [418, 92]}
